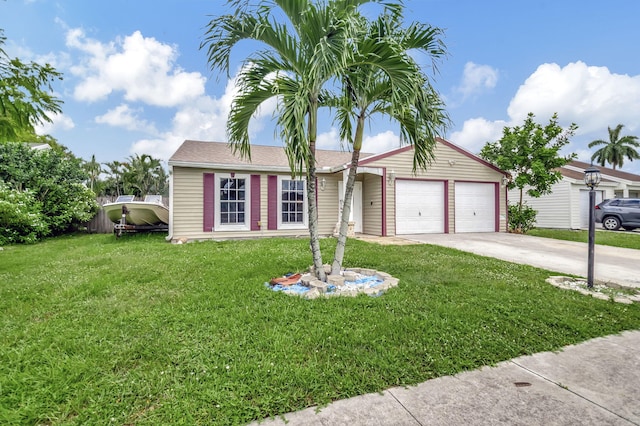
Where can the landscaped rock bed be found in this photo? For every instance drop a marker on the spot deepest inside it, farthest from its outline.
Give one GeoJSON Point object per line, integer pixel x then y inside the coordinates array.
{"type": "Point", "coordinates": [350, 282]}
{"type": "Point", "coordinates": [599, 291]}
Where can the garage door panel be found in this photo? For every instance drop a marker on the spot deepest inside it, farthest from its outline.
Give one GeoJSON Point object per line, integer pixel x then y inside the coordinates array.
{"type": "Point", "coordinates": [475, 209]}
{"type": "Point", "coordinates": [419, 207]}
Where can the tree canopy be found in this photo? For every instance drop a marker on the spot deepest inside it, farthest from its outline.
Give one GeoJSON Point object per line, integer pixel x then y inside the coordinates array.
{"type": "Point", "coordinates": [531, 153]}
{"type": "Point", "coordinates": [369, 90]}
{"type": "Point", "coordinates": [307, 50]}
{"type": "Point", "coordinates": [26, 96]}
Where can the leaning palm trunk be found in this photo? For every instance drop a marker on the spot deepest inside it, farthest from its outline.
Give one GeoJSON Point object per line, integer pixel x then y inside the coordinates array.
{"type": "Point", "coordinates": [338, 257]}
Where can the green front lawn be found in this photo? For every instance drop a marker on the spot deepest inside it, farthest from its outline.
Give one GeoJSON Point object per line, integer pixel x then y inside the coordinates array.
{"type": "Point", "coordinates": [98, 330]}
{"type": "Point", "coordinates": [605, 238]}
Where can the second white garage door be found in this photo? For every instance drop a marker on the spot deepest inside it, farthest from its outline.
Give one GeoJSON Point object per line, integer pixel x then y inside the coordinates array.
{"type": "Point", "coordinates": [419, 207]}
{"type": "Point", "coordinates": [475, 207]}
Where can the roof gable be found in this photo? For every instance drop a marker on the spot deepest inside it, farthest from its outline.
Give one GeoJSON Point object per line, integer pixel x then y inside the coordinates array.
{"type": "Point", "coordinates": [444, 142]}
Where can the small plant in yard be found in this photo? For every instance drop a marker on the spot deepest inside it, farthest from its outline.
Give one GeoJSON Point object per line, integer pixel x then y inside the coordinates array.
{"type": "Point", "coordinates": [521, 218]}
{"type": "Point", "coordinates": [99, 330]}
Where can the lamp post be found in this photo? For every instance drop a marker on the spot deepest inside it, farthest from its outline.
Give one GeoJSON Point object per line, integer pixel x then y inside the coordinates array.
{"type": "Point", "coordinates": [591, 179]}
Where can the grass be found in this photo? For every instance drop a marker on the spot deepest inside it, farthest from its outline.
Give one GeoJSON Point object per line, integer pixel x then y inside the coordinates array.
{"type": "Point", "coordinates": [606, 238]}
{"type": "Point", "coordinates": [98, 330]}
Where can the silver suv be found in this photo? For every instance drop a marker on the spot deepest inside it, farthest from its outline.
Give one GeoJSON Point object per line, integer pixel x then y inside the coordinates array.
{"type": "Point", "coordinates": [619, 212]}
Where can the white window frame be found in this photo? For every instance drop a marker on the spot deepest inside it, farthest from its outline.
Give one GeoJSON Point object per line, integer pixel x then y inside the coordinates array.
{"type": "Point", "coordinates": [305, 208]}
{"type": "Point", "coordinates": [218, 225]}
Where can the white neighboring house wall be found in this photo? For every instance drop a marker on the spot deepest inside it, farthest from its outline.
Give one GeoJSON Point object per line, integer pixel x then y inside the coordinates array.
{"type": "Point", "coordinates": [619, 183]}
{"type": "Point", "coordinates": [554, 209]}
{"type": "Point", "coordinates": [563, 207]}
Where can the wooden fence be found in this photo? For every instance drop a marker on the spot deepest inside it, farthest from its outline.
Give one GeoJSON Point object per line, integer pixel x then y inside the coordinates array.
{"type": "Point", "coordinates": [100, 224]}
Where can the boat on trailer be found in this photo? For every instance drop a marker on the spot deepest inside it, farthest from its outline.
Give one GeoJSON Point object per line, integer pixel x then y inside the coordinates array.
{"type": "Point", "coordinates": [130, 215]}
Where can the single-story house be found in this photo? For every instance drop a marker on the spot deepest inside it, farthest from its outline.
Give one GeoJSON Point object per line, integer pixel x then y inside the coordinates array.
{"type": "Point", "coordinates": [215, 194]}
{"type": "Point", "coordinates": [567, 206]}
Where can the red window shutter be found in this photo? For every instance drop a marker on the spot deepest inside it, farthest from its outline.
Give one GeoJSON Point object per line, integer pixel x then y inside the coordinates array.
{"type": "Point", "coordinates": [255, 202]}
{"type": "Point", "coordinates": [272, 202]}
{"type": "Point", "coordinates": [208, 196]}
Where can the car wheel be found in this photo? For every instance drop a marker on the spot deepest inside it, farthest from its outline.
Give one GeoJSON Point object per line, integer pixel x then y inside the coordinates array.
{"type": "Point", "coordinates": [611, 223]}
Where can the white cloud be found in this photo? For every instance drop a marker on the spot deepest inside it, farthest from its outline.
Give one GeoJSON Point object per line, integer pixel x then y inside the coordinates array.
{"type": "Point", "coordinates": [142, 68]}
{"type": "Point", "coordinates": [204, 118]}
{"type": "Point", "coordinates": [161, 148]}
{"type": "Point", "coordinates": [127, 118]}
{"type": "Point", "coordinates": [58, 122]}
{"type": "Point", "coordinates": [476, 132]}
{"type": "Point", "coordinates": [381, 142]}
{"type": "Point", "coordinates": [328, 140]}
{"type": "Point", "coordinates": [592, 97]}
{"type": "Point", "coordinates": [477, 78]}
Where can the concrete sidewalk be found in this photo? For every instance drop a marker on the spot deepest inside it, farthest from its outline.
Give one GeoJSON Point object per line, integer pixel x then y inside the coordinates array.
{"type": "Point", "coordinates": [593, 383]}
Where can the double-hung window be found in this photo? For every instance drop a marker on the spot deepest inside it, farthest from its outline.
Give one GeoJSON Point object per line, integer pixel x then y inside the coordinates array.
{"type": "Point", "coordinates": [232, 200]}
{"type": "Point", "coordinates": [292, 204]}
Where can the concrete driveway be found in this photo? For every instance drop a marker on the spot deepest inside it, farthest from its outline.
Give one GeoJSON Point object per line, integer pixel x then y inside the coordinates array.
{"type": "Point", "coordinates": [612, 264]}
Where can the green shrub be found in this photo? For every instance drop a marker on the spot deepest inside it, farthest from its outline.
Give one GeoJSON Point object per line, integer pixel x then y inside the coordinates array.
{"type": "Point", "coordinates": [55, 181]}
{"type": "Point", "coordinates": [21, 218]}
{"type": "Point", "coordinates": [521, 218]}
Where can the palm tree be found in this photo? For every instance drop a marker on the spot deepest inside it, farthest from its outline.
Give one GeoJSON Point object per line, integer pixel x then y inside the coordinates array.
{"type": "Point", "coordinates": [93, 169]}
{"type": "Point", "coordinates": [144, 175]}
{"type": "Point", "coordinates": [115, 172]}
{"type": "Point", "coordinates": [301, 57]}
{"type": "Point", "coordinates": [370, 90]}
{"type": "Point", "coordinates": [616, 149]}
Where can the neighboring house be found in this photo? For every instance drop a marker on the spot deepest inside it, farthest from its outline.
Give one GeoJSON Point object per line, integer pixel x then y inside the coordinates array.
{"type": "Point", "coordinates": [216, 195]}
{"type": "Point", "coordinates": [38, 146]}
{"type": "Point", "coordinates": [567, 206]}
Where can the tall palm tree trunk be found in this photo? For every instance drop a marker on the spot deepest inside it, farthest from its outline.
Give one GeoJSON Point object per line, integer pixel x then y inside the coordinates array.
{"type": "Point", "coordinates": [311, 195]}
{"type": "Point", "coordinates": [338, 256]}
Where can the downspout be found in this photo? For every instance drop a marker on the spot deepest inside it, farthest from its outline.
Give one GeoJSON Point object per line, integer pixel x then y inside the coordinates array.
{"type": "Point", "coordinates": [169, 236]}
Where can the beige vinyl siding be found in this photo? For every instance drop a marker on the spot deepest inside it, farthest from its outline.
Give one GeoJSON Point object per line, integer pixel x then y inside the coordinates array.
{"type": "Point", "coordinates": [449, 165]}
{"type": "Point", "coordinates": [188, 201]}
{"type": "Point", "coordinates": [328, 204]}
{"type": "Point", "coordinates": [372, 205]}
{"type": "Point", "coordinates": [451, 194]}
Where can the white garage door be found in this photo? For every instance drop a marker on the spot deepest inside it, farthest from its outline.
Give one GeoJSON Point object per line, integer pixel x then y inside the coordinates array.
{"type": "Point", "coordinates": [475, 207]}
{"type": "Point", "coordinates": [419, 207]}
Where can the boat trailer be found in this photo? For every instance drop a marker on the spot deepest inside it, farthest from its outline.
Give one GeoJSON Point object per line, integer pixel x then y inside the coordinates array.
{"type": "Point", "coordinates": [125, 228]}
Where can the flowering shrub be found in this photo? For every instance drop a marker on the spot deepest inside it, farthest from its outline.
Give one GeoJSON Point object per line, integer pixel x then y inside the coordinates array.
{"type": "Point", "coordinates": [21, 218]}
{"type": "Point", "coordinates": [49, 185]}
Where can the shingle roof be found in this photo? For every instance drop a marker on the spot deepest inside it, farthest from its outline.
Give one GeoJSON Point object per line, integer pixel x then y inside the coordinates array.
{"type": "Point", "coordinates": [577, 175]}
{"type": "Point", "coordinates": [606, 170]}
{"type": "Point", "coordinates": [200, 153]}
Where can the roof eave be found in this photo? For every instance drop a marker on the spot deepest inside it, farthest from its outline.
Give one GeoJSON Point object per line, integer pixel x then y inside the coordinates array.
{"type": "Point", "coordinates": [247, 167]}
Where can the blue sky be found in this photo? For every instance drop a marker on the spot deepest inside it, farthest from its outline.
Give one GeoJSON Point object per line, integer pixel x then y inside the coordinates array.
{"type": "Point", "coordinates": [135, 80]}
